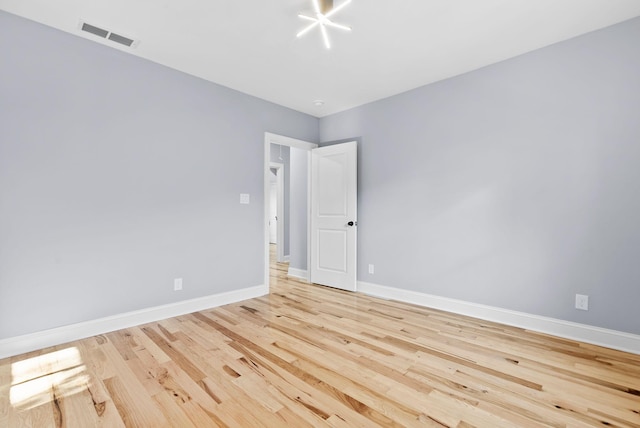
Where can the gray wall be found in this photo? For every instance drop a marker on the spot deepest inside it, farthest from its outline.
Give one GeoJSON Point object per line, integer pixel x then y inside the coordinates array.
{"type": "Point", "coordinates": [516, 186]}
{"type": "Point", "coordinates": [275, 151]}
{"type": "Point", "coordinates": [118, 175]}
{"type": "Point", "coordinates": [298, 208]}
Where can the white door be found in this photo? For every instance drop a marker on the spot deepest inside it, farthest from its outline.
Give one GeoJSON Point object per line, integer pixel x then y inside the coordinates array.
{"type": "Point", "coordinates": [334, 215]}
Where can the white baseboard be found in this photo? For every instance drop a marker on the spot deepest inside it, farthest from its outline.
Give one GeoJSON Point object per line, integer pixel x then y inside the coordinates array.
{"type": "Point", "coordinates": [581, 332]}
{"type": "Point", "coordinates": [56, 336]}
{"type": "Point", "coordinates": [287, 259]}
{"type": "Point", "coordinates": [298, 273]}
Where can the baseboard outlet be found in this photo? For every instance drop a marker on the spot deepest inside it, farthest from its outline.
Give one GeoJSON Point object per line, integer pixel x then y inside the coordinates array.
{"type": "Point", "coordinates": [566, 329]}
{"type": "Point", "coordinates": [59, 335]}
{"type": "Point", "coordinates": [298, 273]}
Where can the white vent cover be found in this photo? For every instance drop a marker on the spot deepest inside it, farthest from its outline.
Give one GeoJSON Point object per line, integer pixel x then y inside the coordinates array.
{"type": "Point", "coordinates": [107, 34]}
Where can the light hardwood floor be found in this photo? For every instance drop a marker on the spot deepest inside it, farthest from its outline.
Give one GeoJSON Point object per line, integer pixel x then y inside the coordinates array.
{"type": "Point", "coordinates": [313, 356]}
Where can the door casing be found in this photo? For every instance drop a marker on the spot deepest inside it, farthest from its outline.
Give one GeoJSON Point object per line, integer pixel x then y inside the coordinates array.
{"type": "Point", "coordinates": [269, 139]}
{"type": "Point", "coordinates": [279, 167]}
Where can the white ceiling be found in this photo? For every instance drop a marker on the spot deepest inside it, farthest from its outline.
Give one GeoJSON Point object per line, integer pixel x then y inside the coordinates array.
{"type": "Point", "coordinates": [395, 45]}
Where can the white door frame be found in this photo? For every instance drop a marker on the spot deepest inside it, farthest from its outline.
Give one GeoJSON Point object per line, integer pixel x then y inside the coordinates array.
{"type": "Point", "coordinates": [269, 139]}
{"type": "Point", "coordinates": [279, 167]}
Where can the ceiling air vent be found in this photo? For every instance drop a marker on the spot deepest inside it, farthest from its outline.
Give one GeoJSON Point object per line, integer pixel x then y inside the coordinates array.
{"type": "Point", "coordinates": [109, 35]}
{"type": "Point", "coordinates": [94, 30]}
{"type": "Point", "coordinates": [120, 39]}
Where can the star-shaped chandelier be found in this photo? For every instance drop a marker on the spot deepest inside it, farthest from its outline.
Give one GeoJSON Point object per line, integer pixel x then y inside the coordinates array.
{"type": "Point", "coordinates": [322, 19]}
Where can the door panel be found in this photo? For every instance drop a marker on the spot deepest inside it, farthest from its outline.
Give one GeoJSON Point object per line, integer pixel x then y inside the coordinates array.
{"type": "Point", "coordinates": [332, 188]}
{"type": "Point", "coordinates": [334, 215]}
{"type": "Point", "coordinates": [331, 250]}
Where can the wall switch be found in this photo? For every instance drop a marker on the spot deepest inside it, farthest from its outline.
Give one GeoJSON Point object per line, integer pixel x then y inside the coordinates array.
{"type": "Point", "coordinates": [582, 302]}
{"type": "Point", "coordinates": [371, 269]}
{"type": "Point", "coordinates": [177, 284]}
{"type": "Point", "coordinates": [245, 198]}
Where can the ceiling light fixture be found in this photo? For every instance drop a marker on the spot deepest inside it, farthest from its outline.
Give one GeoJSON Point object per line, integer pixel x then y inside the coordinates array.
{"type": "Point", "coordinates": [323, 13]}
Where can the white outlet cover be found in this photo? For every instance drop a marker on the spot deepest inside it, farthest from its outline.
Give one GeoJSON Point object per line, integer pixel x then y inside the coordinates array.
{"type": "Point", "coordinates": [582, 302]}
{"type": "Point", "coordinates": [177, 284]}
{"type": "Point", "coordinates": [245, 198]}
{"type": "Point", "coordinates": [371, 269]}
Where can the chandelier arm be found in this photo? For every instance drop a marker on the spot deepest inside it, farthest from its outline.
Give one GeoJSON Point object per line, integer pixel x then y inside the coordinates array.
{"type": "Point", "coordinates": [316, 7]}
{"type": "Point", "coordinates": [309, 28]}
{"type": "Point", "coordinates": [334, 25]}
{"type": "Point", "coordinates": [335, 9]}
{"type": "Point", "coordinates": [308, 18]}
{"type": "Point", "coordinates": [325, 36]}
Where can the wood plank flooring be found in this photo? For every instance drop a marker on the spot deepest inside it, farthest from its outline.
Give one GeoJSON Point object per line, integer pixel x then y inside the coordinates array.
{"type": "Point", "coordinates": [313, 356]}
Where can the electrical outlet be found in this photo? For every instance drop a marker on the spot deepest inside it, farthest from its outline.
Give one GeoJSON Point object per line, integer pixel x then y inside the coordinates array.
{"type": "Point", "coordinates": [582, 302]}
{"type": "Point", "coordinates": [371, 269]}
{"type": "Point", "coordinates": [177, 284]}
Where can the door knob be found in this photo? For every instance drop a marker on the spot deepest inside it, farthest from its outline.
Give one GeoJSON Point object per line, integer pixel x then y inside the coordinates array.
{"type": "Point", "coordinates": [351, 223]}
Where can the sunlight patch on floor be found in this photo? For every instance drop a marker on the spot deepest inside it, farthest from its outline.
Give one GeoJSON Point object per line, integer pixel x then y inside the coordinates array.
{"type": "Point", "coordinates": [39, 380]}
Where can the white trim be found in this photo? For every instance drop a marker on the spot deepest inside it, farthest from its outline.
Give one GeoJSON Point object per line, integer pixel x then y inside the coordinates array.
{"type": "Point", "coordinates": [288, 141]}
{"type": "Point", "coordinates": [298, 273]}
{"type": "Point", "coordinates": [285, 141]}
{"type": "Point", "coordinates": [55, 336]}
{"type": "Point", "coordinates": [286, 258]}
{"type": "Point", "coordinates": [279, 167]}
{"type": "Point", "coordinates": [570, 330]}
{"type": "Point", "coordinates": [307, 276]}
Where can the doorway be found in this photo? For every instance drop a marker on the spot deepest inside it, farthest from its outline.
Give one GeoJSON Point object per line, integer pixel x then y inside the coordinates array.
{"type": "Point", "coordinates": [323, 184]}
{"type": "Point", "coordinates": [302, 146]}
